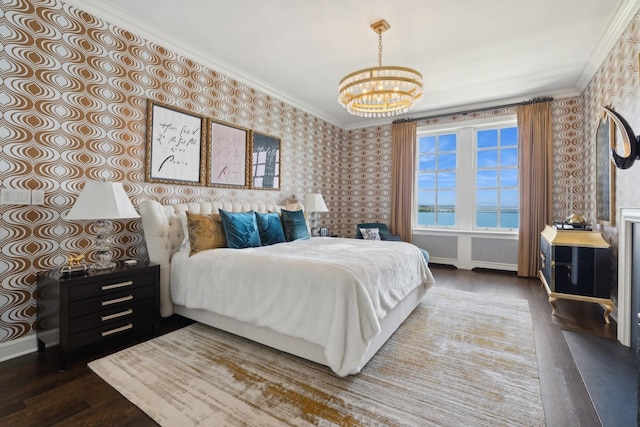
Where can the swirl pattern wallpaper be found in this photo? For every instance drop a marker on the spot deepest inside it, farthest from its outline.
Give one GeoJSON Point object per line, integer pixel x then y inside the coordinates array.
{"type": "Point", "coordinates": [73, 97]}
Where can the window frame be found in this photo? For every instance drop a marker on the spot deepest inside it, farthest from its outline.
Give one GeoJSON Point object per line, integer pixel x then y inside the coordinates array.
{"type": "Point", "coordinates": [466, 171]}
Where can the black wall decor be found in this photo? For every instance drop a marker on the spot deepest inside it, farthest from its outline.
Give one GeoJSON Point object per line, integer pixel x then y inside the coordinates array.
{"type": "Point", "coordinates": [624, 151]}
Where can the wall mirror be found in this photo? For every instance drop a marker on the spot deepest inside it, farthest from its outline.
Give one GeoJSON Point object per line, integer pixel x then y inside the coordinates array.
{"type": "Point", "coordinates": [605, 173]}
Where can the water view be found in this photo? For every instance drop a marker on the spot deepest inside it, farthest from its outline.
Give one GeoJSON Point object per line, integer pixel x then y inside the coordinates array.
{"type": "Point", "coordinates": [509, 217]}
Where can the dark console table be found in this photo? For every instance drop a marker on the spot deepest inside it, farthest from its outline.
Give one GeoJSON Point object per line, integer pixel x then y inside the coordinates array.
{"type": "Point", "coordinates": [575, 265]}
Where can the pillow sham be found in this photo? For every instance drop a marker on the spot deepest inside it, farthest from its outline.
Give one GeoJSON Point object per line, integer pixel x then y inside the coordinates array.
{"type": "Point", "coordinates": [270, 228]}
{"type": "Point", "coordinates": [294, 225]}
{"type": "Point", "coordinates": [370, 233]}
{"type": "Point", "coordinates": [205, 232]}
{"type": "Point", "coordinates": [240, 229]}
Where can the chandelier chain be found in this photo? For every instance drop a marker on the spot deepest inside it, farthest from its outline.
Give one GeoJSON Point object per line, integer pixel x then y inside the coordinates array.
{"type": "Point", "coordinates": [380, 49]}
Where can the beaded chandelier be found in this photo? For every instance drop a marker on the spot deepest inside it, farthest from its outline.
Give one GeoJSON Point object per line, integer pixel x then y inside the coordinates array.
{"type": "Point", "coordinates": [380, 91]}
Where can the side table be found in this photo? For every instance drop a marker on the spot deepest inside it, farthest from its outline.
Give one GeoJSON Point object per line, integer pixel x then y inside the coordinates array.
{"type": "Point", "coordinates": [79, 310]}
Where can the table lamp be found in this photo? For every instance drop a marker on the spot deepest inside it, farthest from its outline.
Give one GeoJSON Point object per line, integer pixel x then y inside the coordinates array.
{"type": "Point", "coordinates": [102, 202]}
{"type": "Point", "coordinates": [314, 203]}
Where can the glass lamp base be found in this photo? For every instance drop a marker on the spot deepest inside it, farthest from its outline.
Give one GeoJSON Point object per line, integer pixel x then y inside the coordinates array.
{"type": "Point", "coordinates": [103, 265]}
{"type": "Point", "coordinates": [313, 224]}
{"type": "Point", "coordinates": [103, 254]}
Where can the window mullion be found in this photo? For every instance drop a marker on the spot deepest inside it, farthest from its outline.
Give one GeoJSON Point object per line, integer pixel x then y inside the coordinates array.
{"type": "Point", "coordinates": [466, 181]}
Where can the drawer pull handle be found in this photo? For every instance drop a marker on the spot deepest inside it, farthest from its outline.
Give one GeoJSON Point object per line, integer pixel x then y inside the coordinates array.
{"type": "Point", "coordinates": [117, 300]}
{"type": "Point", "coordinates": [116, 315]}
{"type": "Point", "coordinates": [117, 285]}
{"type": "Point", "coordinates": [116, 330]}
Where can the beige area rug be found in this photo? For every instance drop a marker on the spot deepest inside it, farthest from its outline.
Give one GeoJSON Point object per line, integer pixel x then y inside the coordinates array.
{"type": "Point", "coordinates": [461, 359]}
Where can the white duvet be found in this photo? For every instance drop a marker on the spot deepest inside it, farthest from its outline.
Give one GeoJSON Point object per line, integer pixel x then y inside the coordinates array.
{"type": "Point", "coordinates": [329, 291]}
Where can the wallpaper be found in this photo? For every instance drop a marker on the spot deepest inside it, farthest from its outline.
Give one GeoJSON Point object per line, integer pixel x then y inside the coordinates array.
{"type": "Point", "coordinates": [73, 100]}
{"type": "Point", "coordinates": [615, 85]}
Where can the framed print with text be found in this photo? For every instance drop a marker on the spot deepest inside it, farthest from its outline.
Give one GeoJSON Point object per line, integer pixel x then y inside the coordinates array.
{"type": "Point", "coordinates": [228, 155]}
{"type": "Point", "coordinates": [175, 146]}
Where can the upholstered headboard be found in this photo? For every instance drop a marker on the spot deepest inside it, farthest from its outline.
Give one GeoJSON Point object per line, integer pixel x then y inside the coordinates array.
{"type": "Point", "coordinates": [163, 233]}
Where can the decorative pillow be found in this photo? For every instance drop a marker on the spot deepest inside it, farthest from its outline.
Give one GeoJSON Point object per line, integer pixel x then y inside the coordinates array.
{"type": "Point", "coordinates": [389, 236]}
{"type": "Point", "coordinates": [370, 233]}
{"type": "Point", "coordinates": [185, 231]}
{"type": "Point", "coordinates": [205, 232]}
{"type": "Point", "coordinates": [294, 224]}
{"type": "Point", "coordinates": [270, 228]}
{"type": "Point", "coordinates": [240, 229]}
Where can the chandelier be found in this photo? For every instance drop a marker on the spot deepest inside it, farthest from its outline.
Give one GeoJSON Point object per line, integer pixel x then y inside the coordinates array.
{"type": "Point", "coordinates": [380, 91]}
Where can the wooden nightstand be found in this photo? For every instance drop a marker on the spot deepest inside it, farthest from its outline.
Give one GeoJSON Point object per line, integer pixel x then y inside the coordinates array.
{"type": "Point", "coordinates": [76, 311]}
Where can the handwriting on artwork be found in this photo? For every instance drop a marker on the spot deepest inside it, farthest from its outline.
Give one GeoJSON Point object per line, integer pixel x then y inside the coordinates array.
{"type": "Point", "coordinates": [228, 155]}
{"type": "Point", "coordinates": [176, 145]}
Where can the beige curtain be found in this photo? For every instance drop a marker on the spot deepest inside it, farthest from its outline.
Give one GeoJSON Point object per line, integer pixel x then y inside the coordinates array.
{"type": "Point", "coordinates": [402, 179]}
{"type": "Point", "coordinates": [535, 168]}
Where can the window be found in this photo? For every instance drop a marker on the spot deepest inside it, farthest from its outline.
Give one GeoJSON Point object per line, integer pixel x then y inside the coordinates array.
{"type": "Point", "coordinates": [467, 177]}
{"type": "Point", "coordinates": [496, 188]}
{"type": "Point", "coordinates": [437, 179]}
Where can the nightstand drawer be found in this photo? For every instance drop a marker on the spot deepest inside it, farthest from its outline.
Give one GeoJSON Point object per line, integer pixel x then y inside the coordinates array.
{"type": "Point", "coordinates": [105, 287]}
{"type": "Point", "coordinates": [137, 325]}
{"type": "Point", "coordinates": [110, 301]}
{"type": "Point", "coordinates": [113, 315]}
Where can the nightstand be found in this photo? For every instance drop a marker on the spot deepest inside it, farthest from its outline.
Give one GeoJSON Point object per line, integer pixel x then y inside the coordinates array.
{"type": "Point", "coordinates": [76, 311]}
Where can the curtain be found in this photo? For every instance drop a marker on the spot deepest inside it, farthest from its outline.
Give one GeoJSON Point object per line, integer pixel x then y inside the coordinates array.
{"type": "Point", "coordinates": [535, 175]}
{"type": "Point", "coordinates": [402, 179]}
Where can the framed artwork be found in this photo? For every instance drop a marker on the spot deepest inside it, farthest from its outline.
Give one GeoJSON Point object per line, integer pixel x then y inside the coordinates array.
{"type": "Point", "coordinates": [605, 172]}
{"type": "Point", "coordinates": [265, 162]}
{"type": "Point", "coordinates": [175, 146]}
{"type": "Point", "coordinates": [228, 156]}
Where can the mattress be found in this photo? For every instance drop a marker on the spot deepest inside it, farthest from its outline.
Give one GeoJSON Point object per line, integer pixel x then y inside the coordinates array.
{"type": "Point", "coordinates": [332, 292]}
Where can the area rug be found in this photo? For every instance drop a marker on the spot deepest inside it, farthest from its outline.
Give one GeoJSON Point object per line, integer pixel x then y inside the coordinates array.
{"type": "Point", "coordinates": [460, 359]}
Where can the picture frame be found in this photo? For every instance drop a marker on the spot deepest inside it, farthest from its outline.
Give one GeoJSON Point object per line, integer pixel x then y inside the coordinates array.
{"type": "Point", "coordinates": [175, 145]}
{"type": "Point", "coordinates": [265, 161]}
{"type": "Point", "coordinates": [605, 172]}
{"type": "Point", "coordinates": [324, 232]}
{"type": "Point", "coordinates": [228, 155]}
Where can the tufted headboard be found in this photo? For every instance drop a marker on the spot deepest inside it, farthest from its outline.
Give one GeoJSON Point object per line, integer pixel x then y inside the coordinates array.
{"type": "Point", "coordinates": [163, 233]}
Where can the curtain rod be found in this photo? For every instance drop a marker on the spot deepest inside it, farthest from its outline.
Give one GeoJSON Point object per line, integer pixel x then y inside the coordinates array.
{"type": "Point", "coordinates": [476, 110]}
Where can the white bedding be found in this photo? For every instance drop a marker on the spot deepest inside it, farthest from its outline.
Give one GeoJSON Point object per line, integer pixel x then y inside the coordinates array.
{"type": "Point", "coordinates": [329, 291]}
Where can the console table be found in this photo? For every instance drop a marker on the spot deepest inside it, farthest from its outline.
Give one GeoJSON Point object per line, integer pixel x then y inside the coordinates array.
{"type": "Point", "coordinates": [575, 265]}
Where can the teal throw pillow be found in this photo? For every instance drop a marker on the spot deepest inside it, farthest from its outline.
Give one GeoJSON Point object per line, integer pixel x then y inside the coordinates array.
{"type": "Point", "coordinates": [294, 224]}
{"type": "Point", "coordinates": [240, 229]}
{"type": "Point", "coordinates": [270, 228]}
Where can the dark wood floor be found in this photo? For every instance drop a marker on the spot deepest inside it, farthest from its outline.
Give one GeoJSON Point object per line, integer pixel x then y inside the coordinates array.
{"type": "Point", "coordinates": [34, 393]}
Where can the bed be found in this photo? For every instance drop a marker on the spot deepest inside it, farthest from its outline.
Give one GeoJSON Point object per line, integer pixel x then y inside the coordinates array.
{"type": "Point", "coordinates": [333, 301]}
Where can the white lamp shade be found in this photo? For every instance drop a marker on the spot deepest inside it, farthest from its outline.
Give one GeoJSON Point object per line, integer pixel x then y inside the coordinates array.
{"type": "Point", "coordinates": [102, 200]}
{"type": "Point", "coordinates": [313, 202]}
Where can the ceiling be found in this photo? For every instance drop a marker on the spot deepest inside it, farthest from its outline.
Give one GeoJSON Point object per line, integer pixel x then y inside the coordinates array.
{"type": "Point", "coordinates": [470, 56]}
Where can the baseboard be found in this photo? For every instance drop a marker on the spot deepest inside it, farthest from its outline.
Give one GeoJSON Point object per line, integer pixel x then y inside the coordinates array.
{"type": "Point", "coordinates": [18, 347]}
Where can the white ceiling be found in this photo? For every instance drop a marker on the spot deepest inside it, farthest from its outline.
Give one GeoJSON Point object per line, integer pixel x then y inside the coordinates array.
{"type": "Point", "coordinates": [471, 53]}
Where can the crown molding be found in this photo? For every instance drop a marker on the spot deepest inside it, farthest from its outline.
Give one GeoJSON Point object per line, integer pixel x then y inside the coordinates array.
{"type": "Point", "coordinates": [154, 34]}
{"type": "Point", "coordinates": [617, 23]}
{"type": "Point", "coordinates": [614, 28]}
